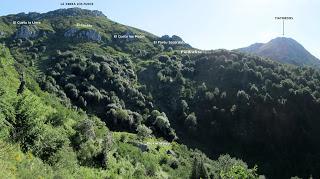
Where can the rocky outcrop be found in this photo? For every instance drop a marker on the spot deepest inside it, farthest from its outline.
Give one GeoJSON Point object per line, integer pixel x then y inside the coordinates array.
{"type": "Point", "coordinates": [27, 32]}
{"type": "Point", "coordinates": [2, 34]}
{"type": "Point", "coordinates": [71, 32]}
{"type": "Point", "coordinates": [87, 34]}
{"type": "Point", "coordinates": [174, 37]}
{"type": "Point", "coordinates": [171, 152]}
{"type": "Point", "coordinates": [90, 35]}
{"type": "Point", "coordinates": [141, 146]}
{"type": "Point", "coordinates": [30, 15]}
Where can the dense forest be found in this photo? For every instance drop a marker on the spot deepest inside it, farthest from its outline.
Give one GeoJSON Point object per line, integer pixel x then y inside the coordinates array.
{"type": "Point", "coordinates": [78, 103]}
{"type": "Point", "coordinates": [260, 110]}
{"type": "Point", "coordinates": [45, 136]}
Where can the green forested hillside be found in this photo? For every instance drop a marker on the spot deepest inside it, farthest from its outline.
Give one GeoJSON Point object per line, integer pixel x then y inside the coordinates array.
{"type": "Point", "coordinates": [58, 101]}
{"type": "Point", "coordinates": [263, 111]}
{"type": "Point", "coordinates": [78, 102]}
{"type": "Point", "coordinates": [42, 138]}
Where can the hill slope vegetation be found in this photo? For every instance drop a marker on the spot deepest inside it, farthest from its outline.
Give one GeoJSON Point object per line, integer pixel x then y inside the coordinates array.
{"type": "Point", "coordinates": [67, 85]}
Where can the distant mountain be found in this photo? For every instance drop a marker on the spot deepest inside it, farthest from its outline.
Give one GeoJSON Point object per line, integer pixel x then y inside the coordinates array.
{"type": "Point", "coordinates": [284, 50]}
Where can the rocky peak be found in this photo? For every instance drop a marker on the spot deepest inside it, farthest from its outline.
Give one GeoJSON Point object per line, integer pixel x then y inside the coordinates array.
{"type": "Point", "coordinates": [74, 12]}
{"type": "Point", "coordinates": [29, 16]}
{"type": "Point", "coordinates": [174, 37]}
{"type": "Point", "coordinates": [285, 50]}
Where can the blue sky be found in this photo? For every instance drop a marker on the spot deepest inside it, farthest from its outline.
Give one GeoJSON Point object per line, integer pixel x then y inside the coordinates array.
{"type": "Point", "coordinates": [205, 24]}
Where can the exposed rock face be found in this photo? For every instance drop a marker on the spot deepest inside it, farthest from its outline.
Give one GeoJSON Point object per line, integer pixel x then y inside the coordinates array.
{"type": "Point", "coordinates": [2, 33]}
{"type": "Point", "coordinates": [88, 34]}
{"type": "Point", "coordinates": [27, 32]}
{"type": "Point", "coordinates": [71, 32]}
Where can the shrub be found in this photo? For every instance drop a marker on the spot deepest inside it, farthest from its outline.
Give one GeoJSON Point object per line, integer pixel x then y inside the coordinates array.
{"type": "Point", "coordinates": [143, 131]}
{"type": "Point", "coordinates": [164, 58]}
{"type": "Point", "coordinates": [92, 141]}
{"type": "Point", "coordinates": [162, 122]}
{"type": "Point", "coordinates": [191, 120]}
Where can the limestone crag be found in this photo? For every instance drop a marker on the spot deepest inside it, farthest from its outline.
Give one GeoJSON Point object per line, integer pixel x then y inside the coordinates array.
{"type": "Point", "coordinates": [83, 34]}
{"type": "Point", "coordinates": [27, 32]}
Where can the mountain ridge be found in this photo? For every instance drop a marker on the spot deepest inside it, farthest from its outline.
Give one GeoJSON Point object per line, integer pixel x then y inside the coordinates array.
{"type": "Point", "coordinates": [284, 50]}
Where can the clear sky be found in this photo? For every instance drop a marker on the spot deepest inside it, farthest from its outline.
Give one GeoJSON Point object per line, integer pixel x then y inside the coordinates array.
{"type": "Point", "coordinates": [205, 24]}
